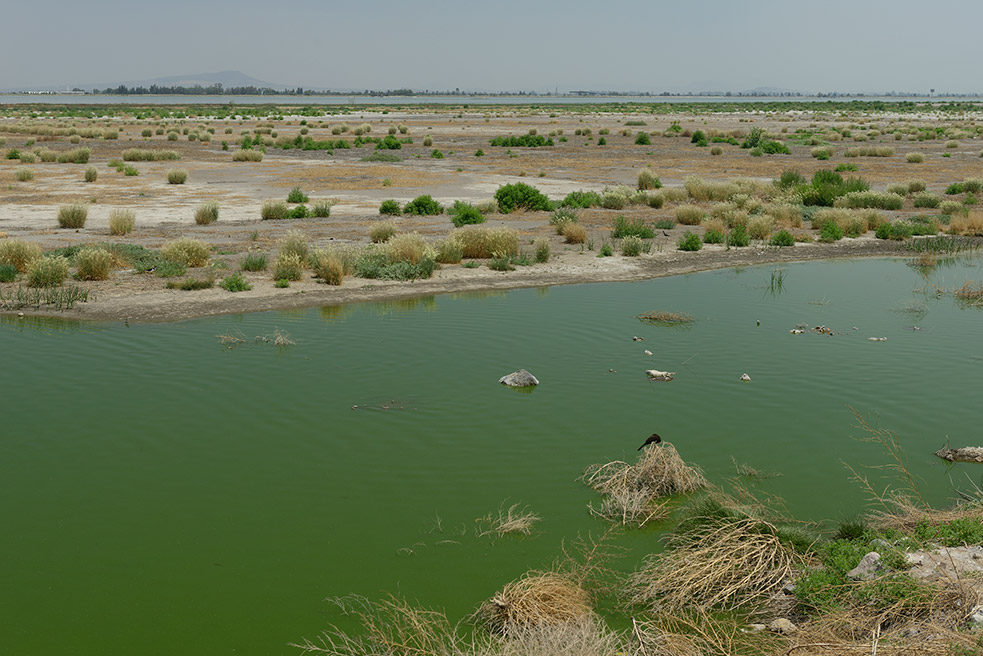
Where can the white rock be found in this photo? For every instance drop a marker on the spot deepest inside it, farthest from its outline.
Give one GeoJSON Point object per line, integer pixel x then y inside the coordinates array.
{"type": "Point", "coordinates": [745, 378]}
{"type": "Point", "coordinates": [867, 568]}
{"type": "Point", "coordinates": [648, 352]}
{"type": "Point", "coordinates": [520, 378]}
{"type": "Point", "coordinates": [782, 626]}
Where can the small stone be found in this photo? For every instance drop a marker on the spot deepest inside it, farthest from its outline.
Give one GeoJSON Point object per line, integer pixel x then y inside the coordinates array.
{"type": "Point", "coordinates": [520, 378]}
{"type": "Point", "coordinates": [867, 568]}
{"type": "Point", "coordinates": [789, 588]}
{"type": "Point", "coordinates": [745, 378]}
{"type": "Point", "coordinates": [782, 626]}
{"type": "Point", "coordinates": [976, 617]}
{"type": "Point", "coordinates": [648, 352]}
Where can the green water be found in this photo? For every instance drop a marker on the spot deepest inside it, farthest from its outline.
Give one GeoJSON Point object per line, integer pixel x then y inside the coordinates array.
{"type": "Point", "coordinates": [163, 494]}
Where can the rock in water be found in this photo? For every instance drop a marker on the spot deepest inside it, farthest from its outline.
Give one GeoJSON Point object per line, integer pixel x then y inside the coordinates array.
{"type": "Point", "coordinates": [745, 378]}
{"type": "Point", "coordinates": [520, 378]}
{"type": "Point", "coordinates": [962, 454]}
{"type": "Point", "coordinates": [655, 374]}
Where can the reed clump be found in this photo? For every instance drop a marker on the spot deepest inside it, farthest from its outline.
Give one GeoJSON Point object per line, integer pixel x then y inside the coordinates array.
{"type": "Point", "coordinates": [537, 598]}
{"type": "Point", "coordinates": [513, 519]}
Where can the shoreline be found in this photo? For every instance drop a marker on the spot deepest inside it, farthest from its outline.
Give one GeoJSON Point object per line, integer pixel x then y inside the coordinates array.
{"type": "Point", "coordinates": [120, 303]}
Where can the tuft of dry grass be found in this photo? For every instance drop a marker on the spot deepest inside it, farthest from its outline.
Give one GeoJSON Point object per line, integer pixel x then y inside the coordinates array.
{"type": "Point", "coordinates": [484, 242]}
{"type": "Point", "coordinates": [18, 253]}
{"type": "Point", "coordinates": [382, 232]}
{"type": "Point", "coordinates": [537, 598]}
{"type": "Point", "coordinates": [409, 247]}
{"type": "Point", "coordinates": [93, 263]}
{"type": "Point", "coordinates": [186, 251]}
{"type": "Point", "coordinates": [968, 224]}
{"type": "Point", "coordinates": [121, 222]}
{"type": "Point", "coordinates": [573, 232]}
{"type": "Point", "coordinates": [507, 520]}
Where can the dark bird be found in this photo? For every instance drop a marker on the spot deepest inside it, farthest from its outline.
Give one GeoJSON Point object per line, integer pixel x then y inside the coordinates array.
{"type": "Point", "coordinates": [653, 439]}
{"type": "Point", "coordinates": [665, 233]}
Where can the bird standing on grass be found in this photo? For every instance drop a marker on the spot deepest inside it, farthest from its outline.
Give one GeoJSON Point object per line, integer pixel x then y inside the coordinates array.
{"type": "Point", "coordinates": [653, 439]}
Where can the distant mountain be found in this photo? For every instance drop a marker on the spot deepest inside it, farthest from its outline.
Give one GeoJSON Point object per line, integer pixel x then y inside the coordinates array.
{"type": "Point", "coordinates": [225, 78]}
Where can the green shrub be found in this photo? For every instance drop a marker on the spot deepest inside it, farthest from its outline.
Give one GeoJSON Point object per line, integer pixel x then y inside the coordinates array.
{"type": "Point", "coordinates": [93, 263]}
{"type": "Point", "coordinates": [738, 236]}
{"type": "Point", "coordinates": [377, 265]}
{"type": "Point", "coordinates": [177, 176]}
{"type": "Point", "coordinates": [72, 216]}
{"type": "Point", "coordinates": [614, 201]}
{"type": "Point", "coordinates": [299, 212]}
{"type": "Point", "coordinates": [648, 180]}
{"type": "Point", "coordinates": [867, 199]}
{"type": "Point", "coordinates": [789, 179]}
{"type": "Point", "coordinates": [91, 174]}
{"type": "Point", "coordinates": [448, 251]}
{"type": "Point", "coordinates": [288, 266]}
{"type": "Point", "coordinates": [774, 148]}
{"type": "Point", "coordinates": [542, 250]}
{"type": "Point", "coordinates": [206, 213]}
{"type": "Point", "coordinates": [423, 206]}
{"type": "Point", "coordinates": [822, 153]}
{"type": "Point", "coordinates": [297, 196]}
{"type": "Point", "coordinates": [689, 242]}
{"type": "Point", "coordinates": [235, 283]}
{"type": "Point", "coordinates": [321, 209]}
{"type": "Point", "coordinates": [24, 174]}
{"type": "Point", "coordinates": [631, 228]}
{"type": "Point", "coordinates": [926, 199]}
{"type": "Point", "coordinates": [382, 232]}
{"type": "Point", "coordinates": [713, 236]}
{"type": "Point", "coordinates": [186, 251]}
{"type": "Point", "coordinates": [254, 261]}
{"type": "Point", "coordinates": [831, 232]}
{"type": "Point", "coordinates": [18, 253]}
{"type": "Point", "coordinates": [643, 139]}
{"type": "Point", "coordinates": [782, 238]}
{"type": "Point", "coordinates": [581, 199]}
{"type": "Point", "coordinates": [524, 141]}
{"type": "Point", "coordinates": [689, 214]}
{"type": "Point", "coordinates": [465, 214]}
{"type": "Point", "coordinates": [436, 154]}
{"type": "Point", "coordinates": [520, 196]}
{"type": "Point", "coordinates": [274, 210]}
{"type": "Point", "coordinates": [8, 273]}
{"type": "Point", "coordinates": [390, 207]}
{"type": "Point", "coordinates": [632, 246]}
{"type": "Point", "coordinates": [130, 171]}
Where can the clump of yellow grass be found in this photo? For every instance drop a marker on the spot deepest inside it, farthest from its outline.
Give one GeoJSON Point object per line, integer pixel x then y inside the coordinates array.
{"type": "Point", "coordinates": [536, 598]}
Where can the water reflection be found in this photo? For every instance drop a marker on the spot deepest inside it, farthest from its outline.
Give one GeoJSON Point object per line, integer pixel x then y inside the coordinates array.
{"type": "Point", "coordinates": [47, 325]}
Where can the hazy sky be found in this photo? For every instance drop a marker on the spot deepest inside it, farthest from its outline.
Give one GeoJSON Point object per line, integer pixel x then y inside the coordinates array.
{"type": "Point", "coordinates": [845, 45]}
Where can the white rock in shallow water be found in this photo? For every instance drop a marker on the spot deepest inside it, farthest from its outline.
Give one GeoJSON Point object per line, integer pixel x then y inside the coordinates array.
{"type": "Point", "coordinates": [655, 374]}
{"type": "Point", "coordinates": [520, 378]}
{"type": "Point", "coordinates": [648, 352]}
{"type": "Point", "coordinates": [745, 378]}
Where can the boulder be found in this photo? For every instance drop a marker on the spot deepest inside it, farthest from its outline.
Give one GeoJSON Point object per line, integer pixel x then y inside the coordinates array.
{"type": "Point", "coordinates": [962, 454]}
{"type": "Point", "coordinates": [867, 568]}
{"type": "Point", "coordinates": [520, 378]}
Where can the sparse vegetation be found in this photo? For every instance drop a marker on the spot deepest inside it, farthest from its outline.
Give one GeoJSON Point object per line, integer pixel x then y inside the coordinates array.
{"type": "Point", "coordinates": [72, 216]}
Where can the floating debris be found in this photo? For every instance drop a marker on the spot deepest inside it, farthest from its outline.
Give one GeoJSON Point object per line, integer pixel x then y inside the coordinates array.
{"type": "Point", "coordinates": [745, 378]}
{"type": "Point", "coordinates": [655, 374]}
{"type": "Point", "coordinates": [636, 338]}
{"type": "Point", "coordinates": [877, 339]}
{"type": "Point", "coordinates": [648, 352]}
{"type": "Point", "coordinates": [796, 331]}
{"type": "Point", "coordinates": [661, 318]}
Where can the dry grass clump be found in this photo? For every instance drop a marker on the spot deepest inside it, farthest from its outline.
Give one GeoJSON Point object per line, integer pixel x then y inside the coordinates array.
{"type": "Point", "coordinates": [121, 222]}
{"type": "Point", "coordinates": [633, 492]}
{"type": "Point", "coordinates": [294, 243]}
{"type": "Point", "coordinates": [760, 226]}
{"type": "Point", "coordinates": [177, 176]}
{"type": "Point", "coordinates": [247, 156]}
{"type": "Point", "coordinates": [410, 247]}
{"type": "Point", "coordinates": [47, 271]}
{"type": "Point", "coordinates": [689, 214]}
{"type": "Point", "coordinates": [648, 180]}
{"type": "Point", "coordinates": [274, 210]}
{"type": "Point", "coordinates": [673, 194]}
{"type": "Point", "coordinates": [72, 216]}
{"type": "Point", "coordinates": [852, 222]}
{"type": "Point", "coordinates": [288, 266]}
{"type": "Point", "coordinates": [573, 232]}
{"type": "Point", "coordinates": [206, 213]}
{"type": "Point", "coordinates": [18, 253]}
{"type": "Point", "coordinates": [507, 520]}
{"type": "Point", "coordinates": [536, 599]}
{"type": "Point", "coordinates": [703, 191]}
{"type": "Point", "coordinates": [699, 633]}
{"type": "Point", "coordinates": [716, 225]}
{"type": "Point", "coordinates": [727, 565]}
{"type": "Point", "coordinates": [968, 224]}
{"type": "Point", "coordinates": [24, 174]}
{"type": "Point", "coordinates": [483, 242]}
{"type": "Point", "coordinates": [93, 263]}
{"type": "Point", "coordinates": [382, 232]}
{"type": "Point", "coordinates": [786, 215]}
{"type": "Point", "coordinates": [663, 318]}
{"type": "Point", "coordinates": [186, 251]}
{"type": "Point", "coordinates": [588, 636]}
{"type": "Point", "coordinates": [328, 267]}
{"type": "Point", "coordinates": [448, 252]}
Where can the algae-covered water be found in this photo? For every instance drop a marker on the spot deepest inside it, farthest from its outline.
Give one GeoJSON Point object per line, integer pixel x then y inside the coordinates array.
{"type": "Point", "coordinates": [165, 494]}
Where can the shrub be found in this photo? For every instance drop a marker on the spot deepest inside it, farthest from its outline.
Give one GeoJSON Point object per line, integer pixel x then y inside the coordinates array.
{"type": "Point", "coordinates": [299, 212]}
{"type": "Point", "coordinates": [329, 268]}
{"type": "Point", "coordinates": [689, 214]}
{"type": "Point", "coordinates": [186, 251]}
{"type": "Point", "coordinates": [542, 250]}
{"type": "Point", "coordinates": [288, 266]}
{"type": "Point", "coordinates": [130, 171]}
{"type": "Point", "coordinates": [614, 201]}
{"type": "Point", "coordinates": [642, 139]}
{"type": "Point", "coordinates": [91, 174]}
{"type": "Point", "coordinates": [247, 156]}
{"type": "Point", "coordinates": [862, 199]}
{"type": "Point", "coordinates": [24, 174]}
{"type": "Point", "coordinates": [74, 156]}
{"type": "Point", "coordinates": [409, 247]}
{"type": "Point", "coordinates": [631, 228]}
{"type": "Point", "coordinates": [914, 158]}
{"type": "Point", "coordinates": [689, 242]}
{"type": "Point", "coordinates": [561, 217]}
{"type": "Point", "coordinates": [294, 243]}
{"type": "Point", "coordinates": [524, 141]}
{"type": "Point", "coordinates": [172, 136]}
{"type": "Point", "coordinates": [47, 271]}
{"type": "Point", "coordinates": [973, 185]}
{"type": "Point", "coordinates": [581, 199]}
{"type": "Point", "coordinates": [297, 196]}
{"type": "Point", "coordinates": [72, 216]}
{"type": "Point", "coordinates": [926, 199]}
{"type": "Point", "coordinates": [830, 232]}
{"type": "Point", "coordinates": [648, 180]}
{"type": "Point", "coordinates": [93, 263]}
{"type": "Point", "coordinates": [950, 207]}
{"type": "Point", "coordinates": [760, 226]}
{"type": "Point", "coordinates": [448, 251]}
{"type": "Point", "coordinates": [518, 196]}
{"type": "Point", "coordinates": [206, 213]}
{"type": "Point", "coordinates": [177, 176]}
{"type": "Point", "coordinates": [952, 143]}
{"type": "Point", "coordinates": [428, 141]}
{"type": "Point", "coordinates": [390, 207]}
{"type": "Point", "coordinates": [716, 150]}
{"type": "Point", "coordinates": [321, 209]}
{"type": "Point", "coordinates": [423, 206]}
{"type": "Point", "coordinates": [382, 232]}
{"type": "Point", "coordinates": [192, 284]}
{"type": "Point", "coordinates": [121, 222]}
{"type": "Point", "coordinates": [782, 238]}
{"type": "Point", "coordinates": [254, 262]}
{"type": "Point", "coordinates": [822, 153]}
{"type": "Point", "coordinates": [18, 253]}
{"type": "Point", "coordinates": [144, 155]}
{"type": "Point", "coordinates": [738, 237]}
{"type": "Point", "coordinates": [574, 233]}
{"type": "Point", "coordinates": [235, 283]}
{"type": "Point", "coordinates": [713, 236]}
{"type": "Point", "coordinates": [465, 214]}
{"type": "Point", "coordinates": [274, 210]}
{"type": "Point", "coordinates": [655, 201]}
{"type": "Point", "coordinates": [8, 273]}
{"type": "Point", "coordinates": [482, 242]}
